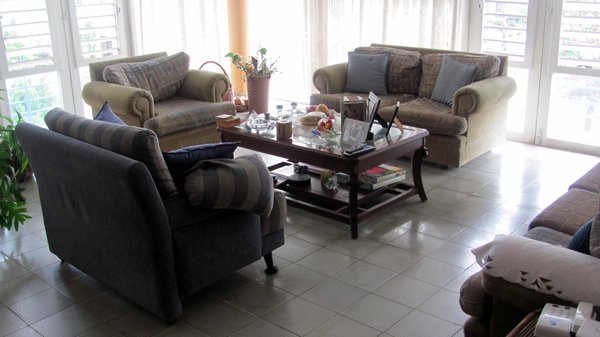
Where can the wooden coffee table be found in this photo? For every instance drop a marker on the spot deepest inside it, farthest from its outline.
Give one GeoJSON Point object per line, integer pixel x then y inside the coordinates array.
{"type": "Point", "coordinates": [349, 203]}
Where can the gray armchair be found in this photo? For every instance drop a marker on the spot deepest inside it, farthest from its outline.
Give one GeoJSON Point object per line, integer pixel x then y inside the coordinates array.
{"type": "Point", "coordinates": [111, 209]}
{"type": "Point", "coordinates": [186, 119]}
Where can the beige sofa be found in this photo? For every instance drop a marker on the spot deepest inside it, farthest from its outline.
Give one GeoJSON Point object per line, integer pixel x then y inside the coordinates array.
{"type": "Point", "coordinates": [459, 133]}
{"type": "Point", "coordinates": [188, 118]}
{"type": "Point", "coordinates": [547, 271]}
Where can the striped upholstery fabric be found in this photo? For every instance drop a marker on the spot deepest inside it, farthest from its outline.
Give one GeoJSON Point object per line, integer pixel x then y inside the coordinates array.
{"type": "Point", "coordinates": [162, 76]}
{"type": "Point", "coordinates": [133, 142]}
{"type": "Point", "coordinates": [243, 183]}
{"type": "Point", "coordinates": [276, 219]}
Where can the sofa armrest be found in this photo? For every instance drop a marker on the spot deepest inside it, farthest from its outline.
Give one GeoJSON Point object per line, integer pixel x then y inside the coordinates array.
{"type": "Point", "coordinates": [202, 85]}
{"type": "Point", "coordinates": [133, 105]}
{"type": "Point", "coordinates": [542, 273]}
{"type": "Point", "coordinates": [482, 95]}
{"type": "Point", "coordinates": [331, 79]}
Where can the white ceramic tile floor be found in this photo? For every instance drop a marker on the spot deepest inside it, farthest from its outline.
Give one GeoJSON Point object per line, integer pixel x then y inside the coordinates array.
{"type": "Point", "coordinates": [400, 278]}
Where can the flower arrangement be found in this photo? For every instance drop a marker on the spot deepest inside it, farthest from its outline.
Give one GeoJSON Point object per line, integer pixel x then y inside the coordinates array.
{"type": "Point", "coordinates": [254, 66]}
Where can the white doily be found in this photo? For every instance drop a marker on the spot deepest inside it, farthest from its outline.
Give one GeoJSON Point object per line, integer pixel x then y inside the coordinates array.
{"type": "Point", "coordinates": [540, 266]}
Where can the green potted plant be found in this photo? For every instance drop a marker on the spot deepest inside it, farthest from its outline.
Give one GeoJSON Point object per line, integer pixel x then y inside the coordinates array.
{"type": "Point", "coordinates": [258, 73]}
{"type": "Point", "coordinates": [14, 167]}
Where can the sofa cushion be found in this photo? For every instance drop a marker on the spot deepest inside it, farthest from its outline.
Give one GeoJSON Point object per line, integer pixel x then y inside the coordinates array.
{"type": "Point", "coordinates": [180, 114]}
{"type": "Point", "coordinates": [404, 70]}
{"type": "Point", "coordinates": [488, 66]}
{"type": "Point", "coordinates": [567, 213]}
{"type": "Point", "coordinates": [549, 235]}
{"type": "Point", "coordinates": [367, 72]}
{"type": "Point", "coordinates": [133, 142]}
{"type": "Point", "coordinates": [107, 115]}
{"type": "Point", "coordinates": [453, 76]}
{"type": "Point", "coordinates": [181, 160]}
{"type": "Point", "coordinates": [436, 117]}
{"type": "Point", "coordinates": [243, 183]}
{"type": "Point", "coordinates": [595, 237]}
{"type": "Point", "coordinates": [589, 181]}
{"type": "Point", "coordinates": [162, 76]}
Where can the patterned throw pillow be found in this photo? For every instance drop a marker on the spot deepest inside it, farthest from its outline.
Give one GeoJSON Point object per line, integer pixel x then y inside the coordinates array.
{"type": "Point", "coordinates": [243, 183]}
{"type": "Point", "coordinates": [161, 76]}
{"type": "Point", "coordinates": [133, 142]}
{"type": "Point", "coordinates": [107, 115]}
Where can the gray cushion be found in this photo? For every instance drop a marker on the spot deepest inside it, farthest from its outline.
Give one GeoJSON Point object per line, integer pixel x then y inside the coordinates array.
{"type": "Point", "coordinates": [162, 76]}
{"type": "Point", "coordinates": [453, 75]}
{"type": "Point", "coordinates": [404, 69]}
{"type": "Point", "coordinates": [489, 66]}
{"type": "Point", "coordinates": [133, 142]}
{"type": "Point", "coordinates": [595, 237]}
{"type": "Point", "coordinates": [367, 72]}
{"type": "Point", "coordinates": [243, 183]}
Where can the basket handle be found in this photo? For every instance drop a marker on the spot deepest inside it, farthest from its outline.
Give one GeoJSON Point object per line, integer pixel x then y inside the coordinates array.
{"type": "Point", "coordinates": [218, 65]}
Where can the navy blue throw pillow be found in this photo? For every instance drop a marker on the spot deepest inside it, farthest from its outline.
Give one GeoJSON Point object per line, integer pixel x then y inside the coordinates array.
{"type": "Point", "coordinates": [107, 115]}
{"type": "Point", "coordinates": [181, 160]}
{"type": "Point", "coordinates": [581, 240]}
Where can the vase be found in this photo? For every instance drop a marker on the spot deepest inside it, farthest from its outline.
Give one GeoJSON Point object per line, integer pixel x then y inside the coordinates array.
{"type": "Point", "coordinates": [258, 93]}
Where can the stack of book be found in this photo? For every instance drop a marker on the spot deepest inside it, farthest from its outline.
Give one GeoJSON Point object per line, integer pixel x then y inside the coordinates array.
{"type": "Point", "coordinates": [382, 175]}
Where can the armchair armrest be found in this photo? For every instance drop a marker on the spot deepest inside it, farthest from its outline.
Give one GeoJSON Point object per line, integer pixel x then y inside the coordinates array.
{"type": "Point", "coordinates": [482, 95]}
{"type": "Point", "coordinates": [331, 79]}
{"type": "Point", "coordinates": [204, 86]}
{"type": "Point", "coordinates": [133, 105]}
{"type": "Point", "coordinates": [542, 273]}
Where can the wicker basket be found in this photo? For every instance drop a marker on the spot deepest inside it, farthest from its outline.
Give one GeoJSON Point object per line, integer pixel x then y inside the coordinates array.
{"type": "Point", "coordinates": [258, 93]}
{"type": "Point", "coordinates": [228, 95]}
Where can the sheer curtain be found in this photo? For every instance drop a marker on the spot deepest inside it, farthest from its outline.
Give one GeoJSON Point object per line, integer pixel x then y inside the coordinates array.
{"type": "Point", "coordinates": [302, 34]}
{"type": "Point", "coordinates": [198, 27]}
{"type": "Point", "coordinates": [308, 34]}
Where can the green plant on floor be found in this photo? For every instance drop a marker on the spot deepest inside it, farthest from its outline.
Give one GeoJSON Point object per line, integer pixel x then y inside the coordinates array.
{"type": "Point", "coordinates": [254, 66]}
{"type": "Point", "coordinates": [14, 167]}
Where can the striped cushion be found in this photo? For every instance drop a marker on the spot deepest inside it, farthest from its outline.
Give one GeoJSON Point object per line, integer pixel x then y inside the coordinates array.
{"type": "Point", "coordinates": [276, 219]}
{"type": "Point", "coordinates": [243, 183]}
{"type": "Point", "coordinates": [133, 142]}
{"type": "Point", "coordinates": [162, 76]}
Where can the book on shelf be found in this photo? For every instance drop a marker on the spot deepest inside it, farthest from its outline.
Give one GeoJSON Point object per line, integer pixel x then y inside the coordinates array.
{"type": "Point", "coordinates": [373, 186]}
{"type": "Point", "coordinates": [383, 172]}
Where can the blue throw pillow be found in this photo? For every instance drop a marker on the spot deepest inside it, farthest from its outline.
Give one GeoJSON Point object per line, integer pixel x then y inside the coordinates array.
{"type": "Point", "coordinates": [581, 240]}
{"type": "Point", "coordinates": [107, 115]}
{"type": "Point", "coordinates": [181, 160]}
{"type": "Point", "coordinates": [367, 72]}
{"type": "Point", "coordinates": [453, 75]}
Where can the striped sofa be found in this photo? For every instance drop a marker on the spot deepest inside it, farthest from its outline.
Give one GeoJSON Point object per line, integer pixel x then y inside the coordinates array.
{"type": "Point", "coordinates": [111, 209]}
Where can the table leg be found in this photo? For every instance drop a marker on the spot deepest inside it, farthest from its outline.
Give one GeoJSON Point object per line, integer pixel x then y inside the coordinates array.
{"type": "Point", "coordinates": [353, 203]}
{"type": "Point", "coordinates": [417, 160]}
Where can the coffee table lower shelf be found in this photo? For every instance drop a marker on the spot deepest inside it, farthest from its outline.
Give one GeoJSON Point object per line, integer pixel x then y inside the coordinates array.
{"type": "Point", "coordinates": [335, 204]}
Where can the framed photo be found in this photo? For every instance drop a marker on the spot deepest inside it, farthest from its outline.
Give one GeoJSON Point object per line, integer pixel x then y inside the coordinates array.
{"type": "Point", "coordinates": [356, 110]}
{"type": "Point", "coordinates": [354, 131]}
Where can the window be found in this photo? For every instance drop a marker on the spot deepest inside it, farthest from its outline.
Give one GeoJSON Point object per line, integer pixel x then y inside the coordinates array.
{"type": "Point", "coordinates": [35, 57]}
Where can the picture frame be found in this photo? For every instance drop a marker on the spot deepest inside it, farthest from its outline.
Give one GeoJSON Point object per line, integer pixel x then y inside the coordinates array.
{"type": "Point", "coordinates": [354, 131]}
{"type": "Point", "coordinates": [356, 109]}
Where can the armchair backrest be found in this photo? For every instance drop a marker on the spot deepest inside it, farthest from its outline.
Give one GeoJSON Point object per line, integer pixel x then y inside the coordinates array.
{"type": "Point", "coordinates": [96, 68]}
